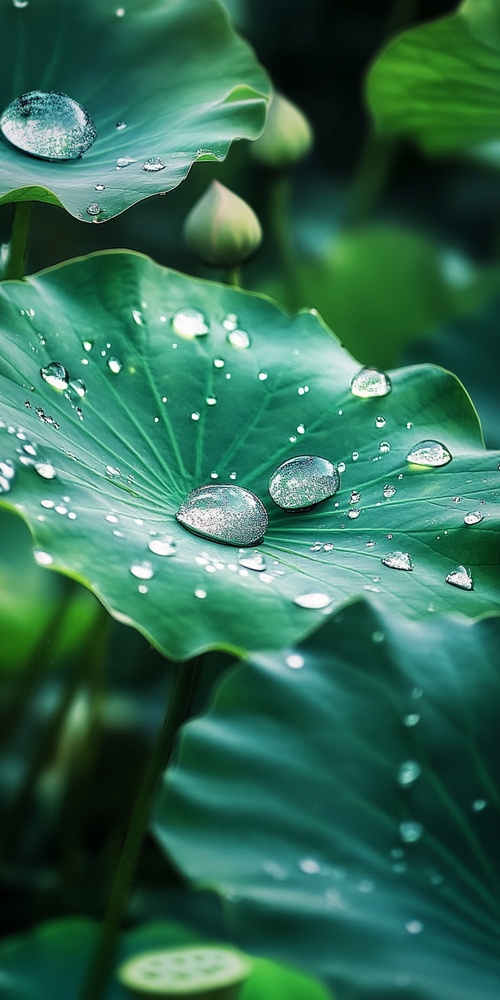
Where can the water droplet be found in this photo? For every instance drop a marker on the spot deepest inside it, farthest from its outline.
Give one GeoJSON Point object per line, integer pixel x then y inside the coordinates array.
{"type": "Point", "coordinates": [461, 577]}
{"type": "Point", "coordinates": [115, 365]}
{"type": "Point", "coordinates": [414, 926]}
{"type": "Point", "coordinates": [189, 323]}
{"type": "Point", "coordinates": [93, 209]}
{"type": "Point", "coordinates": [153, 164]}
{"type": "Point", "coordinates": [377, 636]}
{"type": "Point", "coordinates": [124, 161]}
{"type": "Point", "coordinates": [195, 415]}
{"type": "Point", "coordinates": [429, 453]}
{"type": "Point", "coordinates": [45, 470]}
{"type": "Point", "coordinates": [110, 469]}
{"type": "Point", "coordinates": [411, 719]}
{"type": "Point", "coordinates": [263, 377]}
{"type": "Point", "coordinates": [48, 125]}
{"type": "Point", "coordinates": [341, 467]}
{"type": "Point", "coordinates": [218, 363]}
{"type": "Point", "coordinates": [162, 545]}
{"type": "Point", "coordinates": [355, 456]}
{"type": "Point", "coordinates": [230, 322]}
{"type": "Point", "coordinates": [56, 375]}
{"type": "Point", "coordinates": [479, 804]}
{"type": "Point", "coordinates": [87, 345]}
{"type": "Point", "coordinates": [200, 593]}
{"type": "Point", "coordinates": [380, 422]}
{"type": "Point", "coordinates": [20, 4]}
{"type": "Point", "coordinates": [295, 661]}
{"type": "Point", "coordinates": [120, 126]}
{"type": "Point", "coordinates": [355, 497]}
{"type": "Point", "coordinates": [224, 513]}
{"type": "Point", "coordinates": [410, 831]}
{"type": "Point", "coordinates": [253, 560]}
{"type": "Point", "coordinates": [303, 481]}
{"type": "Point", "coordinates": [309, 866]}
{"type": "Point", "coordinates": [142, 570]}
{"type": "Point", "coordinates": [238, 339]}
{"type": "Point", "coordinates": [397, 560]}
{"type": "Point", "coordinates": [384, 447]}
{"type": "Point", "coordinates": [43, 558]}
{"type": "Point", "coordinates": [389, 491]}
{"type": "Point", "coordinates": [370, 382]}
{"type": "Point", "coordinates": [302, 389]}
{"type": "Point", "coordinates": [313, 600]}
{"type": "Point", "coordinates": [408, 772]}
{"type": "Point", "coordinates": [100, 187]}
{"type": "Point", "coordinates": [76, 390]}
{"type": "Point", "coordinates": [473, 517]}
{"type": "Point", "coordinates": [353, 514]}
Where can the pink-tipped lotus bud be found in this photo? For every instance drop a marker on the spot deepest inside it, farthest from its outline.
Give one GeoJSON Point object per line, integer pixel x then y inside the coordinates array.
{"type": "Point", "coordinates": [221, 228]}
{"type": "Point", "coordinates": [287, 136]}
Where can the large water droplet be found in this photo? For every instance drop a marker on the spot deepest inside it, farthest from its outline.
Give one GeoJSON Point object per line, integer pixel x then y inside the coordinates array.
{"type": "Point", "coordinates": [370, 382]}
{"type": "Point", "coordinates": [313, 599]}
{"type": "Point", "coordinates": [253, 560]}
{"type": "Point", "coordinates": [397, 560]}
{"type": "Point", "coordinates": [410, 831]}
{"type": "Point", "coordinates": [45, 470]}
{"type": "Point", "coordinates": [48, 125]}
{"type": "Point", "coordinates": [153, 164]}
{"type": "Point", "coordinates": [408, 772]}
{"type": "Point", "coordinates": [76, 390]}
{"type": "Point", "coordinates": [473, 517]}
{"type": "Point", "coordinates": [189, 323]}
{"type": "Point", "coordinates": [56, 375]}
{"type": "Point", "coordinates": [142, 570]}
{"type": "Point", "coordinates": [302, 482]}
{"type": "Point", "coordinates": [461, 577]}
{"type": "Point", "coordinates": [429, 453]}
{"type": "Point", "coordinates": [162, 545]}
{"type": "Point", "coordinates": [224, 513]}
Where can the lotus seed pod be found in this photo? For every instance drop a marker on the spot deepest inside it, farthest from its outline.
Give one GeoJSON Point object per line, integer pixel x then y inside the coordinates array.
{"type": "Point", "coordinates": [221, 228]}
{"type": "Point", "coordinates": [287, 136]}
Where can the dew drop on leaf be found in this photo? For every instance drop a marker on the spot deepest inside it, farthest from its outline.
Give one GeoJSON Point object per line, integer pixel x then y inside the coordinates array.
{"type": "Point", "coordinates": [410, 831]}
{"type": "Point", "coordinates": [142, 570]}
{"type": "Point", "coordinates": [238, 339]}
{"type": "Point", "coordinates": [384, 447]}
{"type": "Point", "coordinates": [478, 805]}
{"type": "Point", "coordinates": [380, 422]}
{"type": "Point", "coordinates": [370, 382]}
{"type": "Point", "coordinates": [389, 491]}
{"type": "Point", "coordinates": [411, 719]}
{"type": "Point", "coordinates": [224, 513]}
{"type": "Point", "coordinates": [473, 517]}
{"type": "Point", "coordinates": [461, 577]}
{"type": "Point", "coordinates": [295, 661]}
{"type": "Point", "coordinates": [397, 560]}
{"type": "Point", "coordinates": [353, 514]}
{"type": "Point", "coordinates": [303, 481]}
{"type": "Point", "coordinates": [115, 365]}
{"type": "Point", "coordinates": [100, 187]}
{"type": "Point", "coordinates": [414, 926]}
{"type": "Point", "coordinates": [76, 390]}
{"type": "Point", "coordinates": [189, 323]}
{"type": "Point", "coordinates": [124, 161]}
{"type": "Point", "coordinates": [87, 345]}
{"type": "Point", "coordinates": [253, 560]}
{"type": "Point", "coordinates": [56, 375]}
{"type": "Point", "coordinates": [93, 209]}
{"type": "Point", "coordinates": [48, 125]}
{"type": "Point", "coordinates": [120, 126]}
{"type": "Point", "coordinates": [45, 470]}
{"type": "Point", "coordinates": [153, 164]}
{"type": "Point", "coordinates": [230, 322]}
{"type": "Point", "coordinates": [313, 599]}
{"type": "Point", "coordinates": [429, 453]}
{"type": "Point", "coordinates": [43, 558]}
{"type": "Point", "coordinates": [162, 545]}
{"type": "Point", "coordinates": [408, 772]}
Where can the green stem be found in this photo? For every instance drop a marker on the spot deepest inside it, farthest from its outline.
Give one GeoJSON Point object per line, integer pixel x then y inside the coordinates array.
{"type": "Point", "coordinates": [233, 277]}
{"type": "Point", "coordinates": [18, 240]}
{"type": "Point", "coordinates": [279, 211]}
{"type": "Point", "coordinates": [101, 964]}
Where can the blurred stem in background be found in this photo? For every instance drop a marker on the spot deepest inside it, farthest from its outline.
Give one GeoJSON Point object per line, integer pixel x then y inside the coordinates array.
{"type": "Point", "coordinates": [18, 240]}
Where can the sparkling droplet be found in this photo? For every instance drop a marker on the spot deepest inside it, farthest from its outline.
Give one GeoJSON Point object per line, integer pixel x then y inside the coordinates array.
{"type": "Point", "coordinates": [124, 161]}
{"type": "Point", "coordinates": [253, 560]}
{"type": "Point", "coordinates": [263, 377]}
{"type": "Point", "coordinates": [410, 831]}
{"type": "Point", "coordinates": [100, 187]}
{"type": "Point", "coordinates": [355, 497]}
{"type": "Point", "coordinates": [389, 491]}
{"type": "Point", "coordinates": [87, 345]}
{"type": "Point", "coordinates": [56, 375]}
{"type": "Point", "coordinates": [303, 481]}
{"type": "Point", "coordinates": [397, 560]}
{"type": "Point", "coordinates": [313, 600]}
{"type": "Point", "coordinates": [153, 164]}
{"type": "Point", "coordinates": [461, 577]}
{"type": "Point", "coordinates": [473, 517]}
{"type": "Point", "coordinates": [200, 593]}
{"type": "Point", "coordinates": [411, 719]}
{"type": "Point", "coordinates": [120, 126]}
{"type": "Point", "coordinates": [353, 514]}
{"type": "Point", "coordinates": [309, 866]}
{"type": "Point", "coordinates": [48, 125]}
{"type": "Point", "coordinates": [45, 470]}
{"type": "Point", "coordinates": [224, 513]}
{"type": "Point", "coordinates": [380, 422]}
{"type": "Point", "coordinates": [93, 209]}
{"type": "Point", "coordinates": [230, 322]}
{"type": "Point", "coordinates": [295, 661]}
{"type": "Point", "coordinates": [115, 365]}
{"type": "Point", "coordinates": [408, 772]}
{"type": "Point", "coordinates": [189, 323]}
{"type": "Point", "coordinates": [43, 558]}
{"type": "Point", "coordinates": [238, 339]}
{"type": "Point", "coordinates": [370, 382]}
{"type": "Point", "coordinates": [162, 545]}
{"type": "Point", "coordinates": [142, 570]}
{"type": "Point", "coordinates": [479, 804]}
{"type": "Point", "coordinates": [414, 926]}
{"type": "Point", "coordinates": [76, 390]}
{"type": "Point", "coordinates": [384, 447]}
{"type": "Point", "coordinates": [429, 453]}
{"type": "Point", "coordinates": [218, 363]}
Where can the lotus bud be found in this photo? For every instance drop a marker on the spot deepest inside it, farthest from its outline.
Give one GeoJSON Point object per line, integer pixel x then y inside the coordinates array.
{"type": "Point", "coordinates": [287, 136]}
{"type": "Point", "coordinates": [221, 228]}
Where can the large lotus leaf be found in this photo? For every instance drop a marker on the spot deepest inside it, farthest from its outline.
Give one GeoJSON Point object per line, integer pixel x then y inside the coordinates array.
{"type": "Point", "coordinates": [51, 961]}
{"type": "Point", "coordinates": [174, 76]}
{"type": "Point", "coordinates": [342, 796]}
{"type": "Point", "coordinates": [163, 414]}
{"type": "Point", "coordinates": [440, 82]}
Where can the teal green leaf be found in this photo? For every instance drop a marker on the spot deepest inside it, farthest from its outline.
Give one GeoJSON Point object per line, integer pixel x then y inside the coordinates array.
{"type": "Point", "coordinates": [440, 83]}
{"type": "Point", "coordinates": [160, 418]}
{"type": "Point", "coordinates": [51, 961]}
{"type": "Point", "coordinates": [342, 796]}
{"type": "Point", "coordinates": [177, 75]}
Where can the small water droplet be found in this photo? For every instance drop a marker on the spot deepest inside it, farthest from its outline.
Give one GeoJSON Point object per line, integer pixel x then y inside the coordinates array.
{"type": "Point", "coordinates": [263, 377]}
{"type": "Point", "coordinates": [45, 470]}
{"type": "Point", "coordinates": [473, 517]}
{"type": "Point", "coordinates": [414, 926]}
{"type": "Point", "coordinates": [429, 453]}
{"type": "Point", "coordinates": [295, 661]}
{"type": "Point", "coordinates": [238, 339]}
{"type": "Point", "coordinates": [302, 389]}
{"type": "Point", "coordinates": [195, 415]}
{"type": "Point", "coordinates": [377, 636]}
{"type": "Point", "coordinates": [200, 593]}
{"type": "Point", "coordinates": [162, 545]}
{"type": "Point", "coordinates": [397, 560]}
{"type": "Point", "coordinates": [189, 323]}
{"type": "Point", "coordinates": [48, 125]}
{"type": "Point", "coordinates": [353, 514]}
{"type": "Point", "coordinates": [115, 365]}
{"type": "Point", "coordinates": [153, 164]}
{"type": "Point", "coordinates": [341, 467]}
{"type": "Point", "coordinates": [479, 804]}
{"type": "Point", "coordinates": [370, 382]}
{"type": "Point", "coordinates": [380, 422]}
{"type": "Point", "coordinates": [20, 4]}
{"type": "Point", "coordinates": [142, 570]}
{"type": "Point", "coordinates": [230, 322]}
{"type": "Point", "coordinates": [76, 390]}
{"type": "Point", "coordinates": [384, 447]}
{"type": "Point", "coordinates": [120, 126]}
{"type": "Point", "coordinates": [43, 558]}
{"type": "Point", "coordinates": [87, 345]}
{"type": "Point", "coordinates": [309, 866]}
{"type": "Point", "coordinates": [112, 471]}
{"type": "Point", "coordinates": [461, 577]}
{"type": "Point", "coordinates": [410, 831]}
{"type": "Point", "coordinates": [99, 187]}
{"type": "Point", "coordinates": [315, 600]}
{"type": "Point", "coordinates": [411, 719]}
{"type": "Point", "coordinates": [355, 497]}
{"type": "Point", "coordinates": [124, 161]}
{"type": "Point", "coordinates": [355, 456]}
{"type": "Point", "coordinates": [408, 772]}
{"type": "Point", "coordinates": [56, 375]}
{"type": "Point", "coordinates": [211, 400]}
{"type": "Point", "coordinates": [253, 560]}
{"type": "Point", "coordinates": [303, 481]}
{"type": "Point", "coordinates": [389, 491]}
{"type": "Point", "coordinates": [224, 513]}
{"type": "Point", "coordinates": [93, 209]}
{"type": "Point", "coordinates": [218, 363]}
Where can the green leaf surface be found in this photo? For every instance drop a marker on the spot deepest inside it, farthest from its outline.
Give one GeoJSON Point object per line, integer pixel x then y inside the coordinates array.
{"type": "Point", "coordinates": [50, 961]}
{"type": "Point", "coordinates": [126, 455]}
{"type": "Point", "coordinates": [289, 795]}
{"type": "Point", "coordinates": [176, 74]}
{"type": "Point", "coordinates": [439, 83]}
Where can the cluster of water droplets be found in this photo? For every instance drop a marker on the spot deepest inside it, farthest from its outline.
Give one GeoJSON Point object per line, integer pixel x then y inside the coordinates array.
{"type": "Point", "coordinates": [74, 389]}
